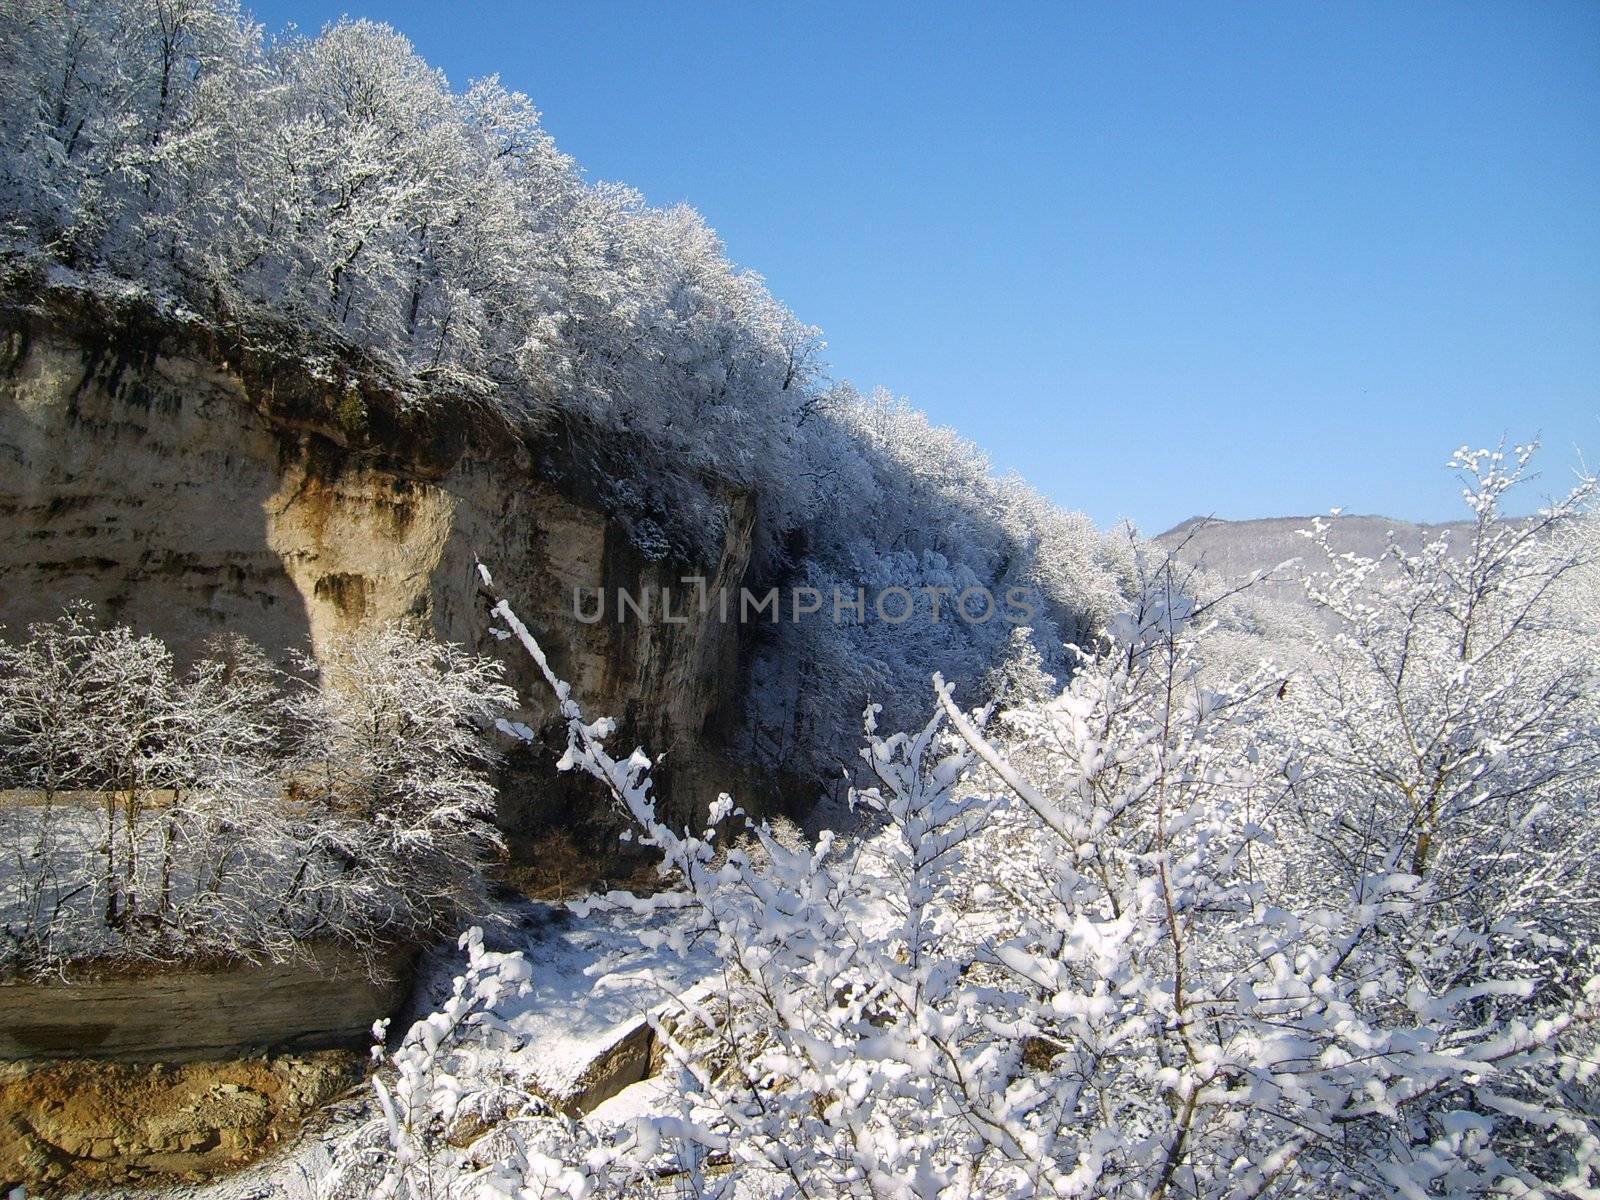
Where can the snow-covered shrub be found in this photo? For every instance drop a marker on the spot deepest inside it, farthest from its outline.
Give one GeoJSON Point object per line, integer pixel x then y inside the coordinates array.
{"type": "Point", "coordinates": [232, 808]}
{"type": "Point", "coordinates": [448, 1123]}
{"type": "Point", "coordinates": [1153, 969]}
{"type": "Point", "coordinates": [1449, 734]}
{"type": "Point", "coordinates": [1258, 1022]}
{"type": "Point", "coordinates": [390, 761]}
{"type": "Point", "coordinates": [142, 814]}
{"type": "Point", "coordinates": [1454, 715]}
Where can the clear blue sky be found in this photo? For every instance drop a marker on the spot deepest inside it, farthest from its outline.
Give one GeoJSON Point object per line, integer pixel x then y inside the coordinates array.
{"type": "Point", "coordinates": [1247, 259]}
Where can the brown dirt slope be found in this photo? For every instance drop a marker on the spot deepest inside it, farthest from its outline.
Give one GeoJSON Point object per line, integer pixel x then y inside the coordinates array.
{"type": "Point", "coordinates": [71, 1125]}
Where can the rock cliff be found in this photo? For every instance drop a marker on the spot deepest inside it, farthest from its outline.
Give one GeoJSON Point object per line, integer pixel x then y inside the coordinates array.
{"type": "Point", "coordinates": [324, 998]}
{"type": "Point", "coordinates": [190, 480]}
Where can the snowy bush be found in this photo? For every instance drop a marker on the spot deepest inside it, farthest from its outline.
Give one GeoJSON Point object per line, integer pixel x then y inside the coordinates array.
{"type": "Point", "coordinates": [1180, 933]}
{"type": "Point", "coordinates": [447, 1123]}
{"type": "Point", "coordinates": [158, 814]}
{"type": "Point", "coordinates": [1454, 716]}
{"type": "Point", "coordinates": [390, 756]}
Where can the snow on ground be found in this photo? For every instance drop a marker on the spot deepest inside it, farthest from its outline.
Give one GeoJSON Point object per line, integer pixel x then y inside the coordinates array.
{"type": "Point", "coordinates": [290, 1174]}
{"type": "Point", "coordinates": [594, 981]}
{"type": "Point", "coordinates": [647, 1098]}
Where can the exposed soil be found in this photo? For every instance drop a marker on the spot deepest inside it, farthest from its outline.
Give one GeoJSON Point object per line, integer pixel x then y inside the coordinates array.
{"type": "Point", "coordinates": [72, 1125]}
{"type": "Point", "coordinates": [554, 868]}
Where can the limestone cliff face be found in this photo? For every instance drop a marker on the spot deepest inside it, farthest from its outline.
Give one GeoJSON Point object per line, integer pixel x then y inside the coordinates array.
{"type": "Point", "coordinates": [324, 998]}
{"type": "Point", "coordinates": [188, 482]}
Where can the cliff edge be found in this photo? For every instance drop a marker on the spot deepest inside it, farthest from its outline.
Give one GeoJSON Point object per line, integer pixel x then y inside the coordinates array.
{"type": "Point", "coordinates": [191, 479]}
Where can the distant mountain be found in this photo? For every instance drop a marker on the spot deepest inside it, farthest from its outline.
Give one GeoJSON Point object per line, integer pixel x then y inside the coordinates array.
{"type": "Point", "coordinates": [1236, 549]}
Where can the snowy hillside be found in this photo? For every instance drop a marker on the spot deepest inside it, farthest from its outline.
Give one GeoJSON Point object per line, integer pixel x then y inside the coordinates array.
{"type": "Point", "coordinates": [336, 195]}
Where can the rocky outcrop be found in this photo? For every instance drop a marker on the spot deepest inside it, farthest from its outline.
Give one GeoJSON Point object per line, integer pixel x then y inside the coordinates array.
{"type": "Point", "coordinates": [323, 998]}
{"type": "Point", "coordinates": [633, 1056]}
{"type": "Point", "coordinates": [191, 481]}
{"type": "Point", "coordinates": [73, 1127]}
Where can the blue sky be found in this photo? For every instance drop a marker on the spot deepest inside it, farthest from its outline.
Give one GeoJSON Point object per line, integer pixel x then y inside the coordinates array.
{"type": "Point", "coordinates": [1244, 259]}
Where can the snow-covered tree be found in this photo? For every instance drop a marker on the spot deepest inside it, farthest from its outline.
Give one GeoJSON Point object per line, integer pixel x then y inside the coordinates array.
{"type": "Point", "coordinates": [98, 716]}
{"type": "Point", "coordinates": [390, 765]}
{"type": "Point", "coordinates": [233, 808]}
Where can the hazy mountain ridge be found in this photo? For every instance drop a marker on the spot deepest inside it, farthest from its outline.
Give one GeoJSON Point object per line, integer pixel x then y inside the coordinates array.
{"type": "Point", "coordinates": [1235, 549]}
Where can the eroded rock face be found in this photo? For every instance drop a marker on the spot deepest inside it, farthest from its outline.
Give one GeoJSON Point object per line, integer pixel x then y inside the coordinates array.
{"type": "Point", "coordinates": [633, 1056]}
{"type": "Point", "coordinates": [325, 997]}
{"type": "Point", "coordinates": [71, 1126]}
{"type": "Point", "coordinates": [189, 483]}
